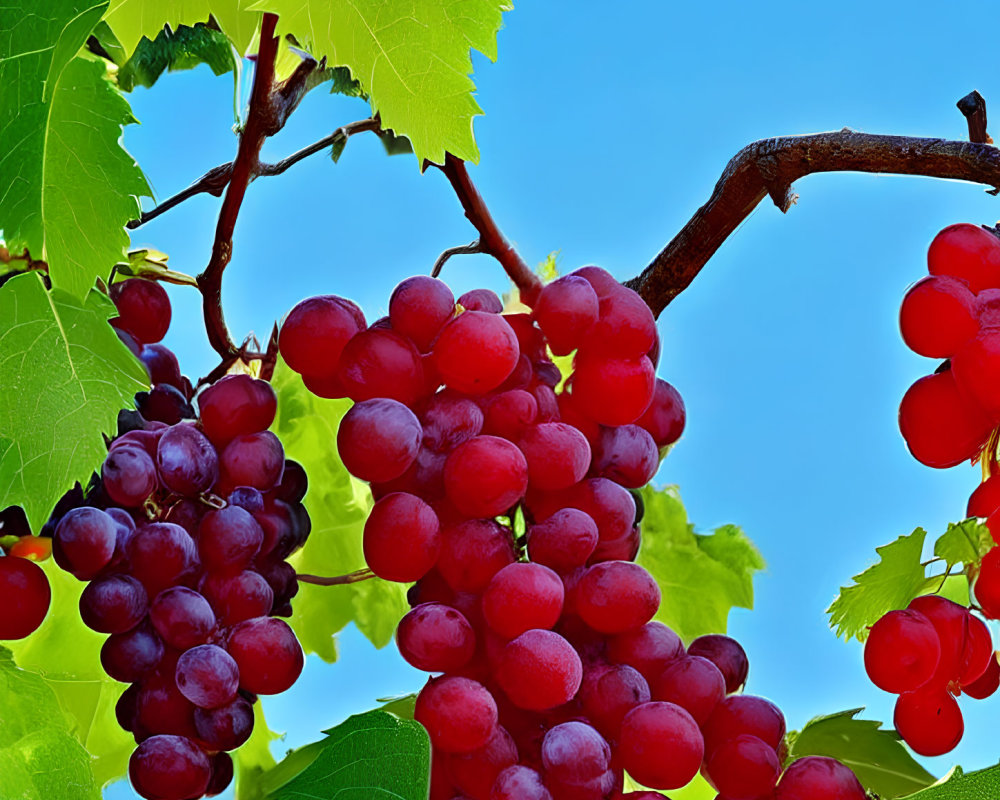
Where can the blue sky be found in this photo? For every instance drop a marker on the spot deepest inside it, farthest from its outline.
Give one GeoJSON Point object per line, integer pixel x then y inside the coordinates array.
{"type": "Point", "coordinates": [603, 132]}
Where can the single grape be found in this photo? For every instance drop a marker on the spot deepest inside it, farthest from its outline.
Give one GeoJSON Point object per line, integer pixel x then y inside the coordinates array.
{"type": "Point", "coordinates": [566, 308]}
{"type": "Point", "coordinates": [160, 554]}
{"type": "Point", "coordinates": [267, 653]}
{"type": "Point", "coordinates": [475, 773]}
{"type": "Point", "coordinates": [743, 768]}
{"type": "Point", "coordinates": [967, 252]}
{"type": "Point", "coordinates": [987, 683]}
{"type": "Point", "coordinates": [539, 670]}
{"type": "Point", "coordinates": [164, 403]}
{"type": "Point", "coordinates": [253, 459]}
{"type": "Point", "coordinates": [222, 774]}
{"type": "Point", "coordinates": [481, 300]}
{"type": "Point", "coordinates": [401, 538]}
{"type": "Point", "coordinates": [649, 649]}
{"type": "Point", "coordinates": [574, 752]}
{"type": "Point", "coordinates": [126, 708]}
{"type": "Point", "coordinates": [130, 656]}
{"type": "Point", "coordinates": [228, 539]}
{"type": "Point", "coordinates": [977, 653]}
{"type": "Point", "coordinates": [379, 439]}
{"type": "Point", "coordinates": [940, 427]}
{"type": "Point", "coordinates": [564, 541]}
{"type": "Point", "coordinates": [951, 621]}
{"type": "Point", "coordinates": [419, 307]}
{"type": "Point", "coordinates": [727, 654]}
{"type": "Point", "coordinates": [938, 316]}
{"type": "Point", "coordinates": [625, 327]}
{"type": "Point", "coordinates": [186, 461]}
{"type": "Point", "coordinates": [902, 651]}
{"type": "Point", "coordinates": [693, 683]}
{"type": "Point", "coordinates": [381, 363]}
{"type": "Point", "coordinates": [225, 727]}
{"type": "Point", "coordinates": [161, 708]}
{"type": "Point", "coordinates": [604, 282]}
{"type": "Point", "coordinates": [84, 542]}
{"type": "Point", "coordinates": [315, 332]}
{"type": "Point", "coordinates": [608, 504]}
{"type": "Point", "coordinates": [143, 309]}
{"type": "Point", "coordinates": [473, 552]}
{"type": "Point", "coordinates": [557, 454]}
{"type": "Point", "coordinates": [626, 455]}
{"type": "Point", "coordinates": [624, 548]}
{"type": "Point", "coordinates": [448, 420]}
{"type": "Point", "coordinates": [236, 405]}
{"type": "Point", "coordinates": [975, 366]}
{"type": "Point", "coordinates": [485, 476]}
{"type": "Point", "coordinates": [665, 417]}
{"type": "Point", "coordinates": [522, 596]}
{"type": "Point", "coordinates": [169, 768]}
{"type": "Point", "coordinates": [459, 714]}
{"type": "Point", "coordinates": [129, 476]}
{"type": "Point", "coordinates": [208, 676]}
{"type": "Point", "coordinates": [617, 596]}
{"type": "Point", "coordinates": [612, 391]}
{"type": "Point", "coordinates": [25, 593]}
{"type": "Point", "coordinates": [162, 365]}
{"type": "Point", "coordinates": [987, 584]}
{"type": "Point", "coordinates": [112, 604]}
{"type": "Point", "coordinates": [744, 713]}
{"type": "Point", "coordinates": [610, 696]}
{"type": "Point", "coordinates": [435, 638]}
{"type": "Point", "coordinates": [235, 598]}
{"type": "Point", "coordinates": [985, 498]}
{"type": "Point", "coordinates": [475, 352]}
{"type": "Point", "coordinates": [519, 783]}
{"type": "Point", "coordinates": [182, 617]}
{"type": "Point", "coordinates": [819, 778]}
{"type": "Point", "coordinates": [655, 728]}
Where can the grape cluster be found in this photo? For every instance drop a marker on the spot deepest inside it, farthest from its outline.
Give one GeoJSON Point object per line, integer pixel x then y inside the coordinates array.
{"type": "Point", "coordinates": [929, 653]}
{"type": "Point", "coordinates": [553, 678]}
{"type": "Point", "coordinates": [183, 544]}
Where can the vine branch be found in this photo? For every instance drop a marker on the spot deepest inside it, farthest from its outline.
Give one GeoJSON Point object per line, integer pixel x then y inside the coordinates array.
{"type": "Point", "coordinates": [769, 167]}
{"type": "Point", "coordinates": [337, 580]}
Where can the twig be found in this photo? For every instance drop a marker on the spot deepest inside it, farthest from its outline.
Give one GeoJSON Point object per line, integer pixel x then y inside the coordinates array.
{"type": "Point", "coordinates": [491, 238]}
{"type": "Point", "coordinates": [212, 182]}
{"type": "Point", "coordinates": [770, 166]}
{"type": "Point", "coordinates": [973, 108]}
{"type": "Point", "coordinates": [459, 250]}
{"type": "Point", "coordinates": [342, 134]}
{"type": "Point", "coordinates": [337, 580]}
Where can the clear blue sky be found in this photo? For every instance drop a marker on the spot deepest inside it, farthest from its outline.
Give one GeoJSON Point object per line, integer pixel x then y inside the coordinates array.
{"type": "Point", "coordinates": [604, 131]}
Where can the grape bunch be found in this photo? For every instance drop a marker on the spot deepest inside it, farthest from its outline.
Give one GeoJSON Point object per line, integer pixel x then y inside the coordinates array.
{"type": "Point", "coordinates": [552, 679]}
{"type": "Point", "coordinates": [183, 542]}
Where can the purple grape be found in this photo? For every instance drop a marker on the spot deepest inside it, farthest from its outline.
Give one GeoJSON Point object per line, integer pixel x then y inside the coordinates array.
{"type": "Point", "coordinates": [113, 604]}
{"type": "Point", "coordinates": [160, 555]}
{"type": "Point", "coordinates": [225, 727]}
{"type": "Point", "coordinates": [228, 539]}
{"type": "Point", "coordinates": [182, 617]}
{"type": "Point", "coordinates": [130, 656]}
{"type": "Point", "coordinates": [129, 475]}
{"type": "Point", "coordinates": [250, 499]}
{"type": "Point", "coordinates": [208, 676]}
{"type": "Point", "coordinates": [235, 598]}
{"type": "Point", "coordinates": [187, 462]}
{"type": "Point", "coordinates": [254, 459]}
{"type": "Point", "coordinates": [84, 542]}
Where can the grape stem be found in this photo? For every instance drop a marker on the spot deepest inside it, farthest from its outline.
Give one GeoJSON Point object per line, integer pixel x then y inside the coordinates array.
{"type": "Point", "coordinates": [768, 167]}
{"type": "Point", "coordinates": [337, 580]}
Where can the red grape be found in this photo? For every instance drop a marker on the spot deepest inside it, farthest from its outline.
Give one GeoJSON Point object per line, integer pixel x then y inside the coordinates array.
{"type": "Point", "coordinates": [563, 541]}
{"type": "Point", "coordinates": [743, 768]}
{"type": "Point", "coordinates": [940, 427]}
{"type": "Point", "coordinates": [977, 653]}
{"type": "Point", "coordinates": [238, 597]}
{"type": "Point", "coordinates": [617, 596]}
{"type": "Point", "coordinates": [267, 653]}
{"type": "Point", "coordinates": [315, 332]}
{"type": "Point", "coordinates": [253, 459]}
{"type": "Point", "coordinates": [129, 475]}
{"type": "Point", "coordinates": [449, 420]}
{"type": "Point", "coordinates": [186, 461]}
{"type": "Point", "coordinates": [566, 308]}
{"type": "Point", "coordinates": [951, 621]}
{"type": "Point", "coordinates": [929, 720]}
{"type": "Point", "coordinates": [603, 281]}
{"type": "Point", "coordinates": [985, 499]}
{"type": "Point", "coordinates": [143, 309]}
{"type": "Point", "coordinates": [987, 584]}
{"type": "Point", "coordinates": [539, 670]}
{"type": "Point", "coordinates": [481, 300]}
{"type": "Point", "coordinates": [902, 651]}
{"type": "Point", "coordinates": [459, 714]}
{"type": "Point", "coordinates": [655, 728]}
{"type": "Point", "coordinates": [160, 554]}
{"type": "Point", "coordinates": [182, 617]}
{"type": "Point", "coordinates": [987, 683]}
{"type": "Point", "coordinates": [401, 538]}
{"type": "Point", "coordinates": [521, 597]}
{"type": "Point", "coordinates": [208, 676]}
{"type": "Point", "coordinates": [475, 773]}
{"type": "Point", "coordinates": [419, 307]}
{"type": "Point", "coordinates": [379, 439]}
{"type": "Point", "coordinates": [727, 654]}
{"type": "Point", "coordinates": [819, 778]}
{"type": "Point", "coordinates": [169, 768]}
{"type": "Point", "coordinates": [938, 316]}
{"type": "Point", "coordinates": [608, 698]}
{"type": "Point", "coordinates": [84, 542]}
{"type": "Point", "coordinates": [473, 552]}
{"type": "Point", "coordinates": [625, 327]}
{"type": "Point", "coordinates": [26, 595]}
{"type": "Point", "coordinates": [519, 783]}
{"type": "Point", "coordinates": [744, 713]}
{"type": "Point", "coordinates": [435, 638]}
{"type": "Point", "coordinates": [112, 604]}
{"type": "Point", "coordinates": [485, 476]}
{"type": "Point", "coordinates": [225, 727]}
{"type": "Point", "coordinates": [693, 683]}
{"type": "Point", "coordinates": [665, 417]}
{"type": "Point", "coordinates": [574, 752]}
{"type": "Point", "coordinates": [613, 391]}
{"type": "Point", "coordinates": [557, 454]}
{"type": "Point", "coordinates": [475, 352]}
{"type": "Point", "coordinates": [130, 656]}
{"type": "Point", "coordinates": [967, 252]}
{"type": "Point", "coordinates": [236, 405]}
{"type": "Point", "coordinates": [627, 455]}
{"type": "Point", "coordinates": [509, 414]}
{"type": "Point", "coordinates": [381, 363]}
{"type": "Point", "coordinates": [649, 649]}
{"type": "Point", "coordinates": [228, 539]}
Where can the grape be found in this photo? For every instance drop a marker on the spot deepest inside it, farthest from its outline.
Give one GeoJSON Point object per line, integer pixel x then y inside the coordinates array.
{"type": "Point", "coordinates": [182, 617]}
{"type": "Point", "coordinates": [566, 308]}
{"type": "Point", "coordinates": [475, 352]}
{"type": "Point", "coordinates": [130, 656]}
{"type": "Point", "coordinates": [208, 676]}
{"type": "Point", "coordinates": [929, 720]}
{"type": "Point", "coordinates": [326, 386]}
{"type": "Point", "coordinates": [976, 366]}
{"type": "Point", "coordinates": [938, 316]}
{"type": "Point", "coordinates": [548, 404]}
{"type": "Point", "coordinates": [519, 783]}
{"type": "Point", "coordinates": [655, 728]}
{"type": "Point", "coordinates": [419, 307]}
{"type": "Point", "coordinates": [225, 727]}
{"type": "Point", "coordinates": [235, 598]}
{"type": "Point", "coordinates": [539, 670]}
{"type": "Point", "coordinates": [819, 778]}
{"type": "Point", "coordinates": [112, 604]}
{"type": "Point", "coordinates": [162, 365]}
{"type": "Point", "coordinates": [161, 708]}
{"type": "Point", "coordinates": [315, 332]}
{"type": "Point", "coordinates": [649, 649]}
{"type": "Point", "coordinates": [625, 326]}
{"type": "Point", "coordinates": [459, 714]}
{"type": "Point", "coordinates": [435, 638]}
{"type": "Point", "coordinates": [160, 555]}
{"type": "Point", "coordinates": [509, 414]}
{"type": "Point", "coordinates": [563, 541]}
{"type": "Point", "coordinates": [665, 417]}
{"type": "Point", "coordinates": [164, 403]}
{"type": "Point", "coordinates": [475, 773]}
{"type": "Point", "coordinates": [129, 475]}
{"type": "Point", "coordinates": [186, 460]}
{"type": "Point", "coordinates": [967, 252]}
{"type": "Point", "coordinates": [987, 683]}
{"type": "Point", "coordinates": [169, 768]}
{"type": "Point", "coordinates": [143, 309]}
{"type": "Point", "coordinates": [608, 504]}
{"type": "Point", "coordinates": [987, 585]}
{"type": "Point", "coordinates": [253, 459]}
{"type": "Point", "coordinates": [608, 698]}
{"type": "Point", "coordinates": [743, 768]}
{"type": "Point", "coordinates": [126, 707]}
{"type": "Point", "coordinates": [228, 539]}
{"type": "Point", "coordinates": [128, 340]}
{"type": "Point", "coordinates": [473, 552]}
{"type": "Point", "coordinates": [236, 405]}
{"type": "Point", "coordinates": [379, 439]}
{"type": "Point", "coordinates": [84, 542]}
{"type": "Point", "coordinates": [985, 499]}
{"type": "Point", "coordinates": [693, 683]}
{"type": "Point", "coordinates": [557, 454]}
{"type": "Point", "coordinates": [222, 774]}
{"type": "Point", "coordinates": [267, 653]}
{"type": "Point", "coordinates": [521, 597]}
{"type": "Point", "coordinates": [603, 281]}
{"type": "Point", "coordinates": [617, 596]}
{"type": "Point", "coordinates": [26, 595]}
{"type": "Point", "coordinates": [902, 651]}
{"type": "Point", "coordinates": [940, 427]}
{"type": "Point", "coordinates": [612, 391]}
{"type": "Point", "coordinates": [574, 752]}
{"type": "Point", "coordinates": [281, 530]}
{"type": "Point", "coordinates": [744, 713]}
{"type": "Point", "coordinates": [951, 621]}
{"type": "Point", "coordinates": [627, 455]}
{"type": "Point", "coordinates": [727, 654]}
{"type": "Point", "coordinates": [978, 651]}
{"type": "Point", "coordinates": [485, 476]}
{"type": "Point", "coordinates": [401, 538]}
{"type": "Point", "coordinates": [381, 363]}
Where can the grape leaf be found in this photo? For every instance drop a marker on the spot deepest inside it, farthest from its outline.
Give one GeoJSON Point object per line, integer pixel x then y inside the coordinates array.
{"type": "Point", "coordinates": [40, 759]}
{"type": "Point", "coordinates": [878, 757]}
{"type": "Point", "coordinates": [84, 691]}
{"type": "Point", "coordinates": [411, 57]}
{"type": "Point", "coordinates": [700, 576]}
{"type": "Point", "coordinates": [68, 186]}
{"type": "Point", "coordinates": [253, 758]}
{"type": "Point", "coordinates": [370, 755]}
{"type": "Point", "coordinates": [983, 784]}
{"type": "Point", "coordinates": [890, 584]}
{"type": "Point", "coordinates": [132, 19]}
{"type": "Point", "coordinates": [338, 505]}
{"type": "Point", "coordinates": [184, 48]}
{"type": "Point", "coordinates": [65, 376]}
{"type": "Point", "coordinates": [964, 543]}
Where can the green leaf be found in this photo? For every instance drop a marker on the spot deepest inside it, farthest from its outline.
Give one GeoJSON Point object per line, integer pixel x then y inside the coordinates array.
{"type": "Point", "coordinates": [412, 58]}
{"type": "Point", "coordinates": [701, 577]}
{"type": "Point", "coordinates": [368, 756]}
{"type": "Point", "coordinates": [338, 505]}
{"type": "Point", "coordinates": [65, 376]}
{"type": "Point", "coordinates": [132, 19]}
{"type": "Point", "coordinates": [878, 757]}
{"type": "Point", "coordinates": [40, 759]}
{"type": "Point", "coordinates": [983, 784]}
{"type": "Point", "coordinates": [964, 543]}
{"type": "Point", "coordinates": [253, 759]}
{"type": "Point", "coordinates": [66, 655]}
{"type": "Point", "coordinates": [890, 584]}
{"type": "Point", "coordinates": [69, 187]}
{"type": "Point", "coordinates": [184, 48]}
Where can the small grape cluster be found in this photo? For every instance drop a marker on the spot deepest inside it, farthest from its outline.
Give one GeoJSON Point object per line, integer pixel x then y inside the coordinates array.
{"type": "Point", "coordinates": [555, 680]}
{"type": "Point", "coordinates": [183, 543]}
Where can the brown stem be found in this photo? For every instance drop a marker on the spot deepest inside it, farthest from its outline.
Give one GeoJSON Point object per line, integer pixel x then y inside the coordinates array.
{"type": "Point", "coordinates": [337, 580]}
{"type": "Point", "coordinates": [973, 108]}
{"type": "Point", "coordinates": [769, 167]}
{"type": "Point", "coordinates": [491, 239]}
